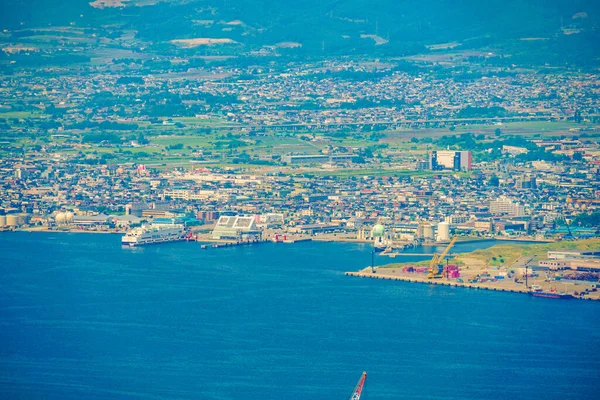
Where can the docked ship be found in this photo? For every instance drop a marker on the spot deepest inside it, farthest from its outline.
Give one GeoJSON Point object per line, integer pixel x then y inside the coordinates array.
{"type": "Point", "coordinates": [552, 295]}
{"type": "Point", "coordinates": [153, 233]}
{"type": "Point", "coordinates": [536, 291]}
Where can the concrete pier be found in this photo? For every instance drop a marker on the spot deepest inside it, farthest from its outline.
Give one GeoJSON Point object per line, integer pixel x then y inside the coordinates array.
{"type": "Point", "coordinates": [444, 282]}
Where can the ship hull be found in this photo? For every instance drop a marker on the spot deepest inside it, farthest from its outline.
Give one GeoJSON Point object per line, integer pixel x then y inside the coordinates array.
{"type": "Point", "coordinates": [152, 241]}
{"type": "Point", "coordinates": [149, 235]}
{"type": "Point", "coordinates": [546, 295]}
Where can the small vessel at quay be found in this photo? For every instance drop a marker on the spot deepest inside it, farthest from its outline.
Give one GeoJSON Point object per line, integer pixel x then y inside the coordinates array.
{"type": "Point", "coordinates": [536, 291]}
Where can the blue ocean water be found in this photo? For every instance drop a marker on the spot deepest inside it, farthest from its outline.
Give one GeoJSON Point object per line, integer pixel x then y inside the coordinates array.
{"type": "Point", "coordinates": [82, 317]}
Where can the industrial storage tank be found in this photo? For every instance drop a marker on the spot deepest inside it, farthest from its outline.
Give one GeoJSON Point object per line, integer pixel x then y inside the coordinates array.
{"type": "Point", "coordinates": [13, 220]}
{"type": "Point", "coordinates": [443, 232]}
{"type": "Point", "coordinates": [378, 230]}
{"type": "Point", "coordinates": [60, 218]}
{"type": "Point", "coordinates": [63, 218]}
{"type": "Point", "coordinates": [427, 231]}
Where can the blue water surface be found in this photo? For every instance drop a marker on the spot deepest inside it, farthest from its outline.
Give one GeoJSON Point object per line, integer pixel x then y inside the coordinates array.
{"type": "Point", "coordinates": [82, 317]}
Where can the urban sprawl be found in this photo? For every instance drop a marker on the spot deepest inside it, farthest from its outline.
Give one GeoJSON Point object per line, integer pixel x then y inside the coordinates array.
{"type": "Point", "coordinates": [394, 154]}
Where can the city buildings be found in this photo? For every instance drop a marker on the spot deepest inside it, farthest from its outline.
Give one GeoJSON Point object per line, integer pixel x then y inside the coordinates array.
{"type": "Point", "coordinates": [506, 206]}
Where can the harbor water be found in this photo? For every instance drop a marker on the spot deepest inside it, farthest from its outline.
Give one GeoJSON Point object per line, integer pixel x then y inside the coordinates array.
{"type": "Point", "coordinates": [83, 317]}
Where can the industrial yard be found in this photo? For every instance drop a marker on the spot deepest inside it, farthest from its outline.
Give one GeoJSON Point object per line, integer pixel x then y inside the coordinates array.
{"type": "Point", "coordinates": [555, 268]}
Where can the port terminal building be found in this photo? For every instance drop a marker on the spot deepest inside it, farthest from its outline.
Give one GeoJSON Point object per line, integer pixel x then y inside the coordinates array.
{"type": "Point", "coordinates": [238, 228]}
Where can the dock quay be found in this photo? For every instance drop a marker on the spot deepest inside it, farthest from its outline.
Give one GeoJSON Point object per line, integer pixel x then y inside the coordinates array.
{"type": "Point", "coordinates": [300, 240]}
{"type": "Point", "coordinates": [219, 245]}
{"type": "Point", "coordinates": [444, 282]}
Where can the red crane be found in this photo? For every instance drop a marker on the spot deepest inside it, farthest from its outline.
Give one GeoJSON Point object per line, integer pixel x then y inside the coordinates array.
{"type": "Point", "coordinates": [359, 387]}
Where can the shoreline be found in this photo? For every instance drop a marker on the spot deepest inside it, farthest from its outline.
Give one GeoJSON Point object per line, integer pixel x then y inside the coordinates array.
{"type": "Point", "coordinates": [45, 230]}
{"type": "Point", "coordinates": [493, 286]}
{"type": "Point", "coordinates": [504, 285]}
{"type": "Point", "coordinates": [321, 238]}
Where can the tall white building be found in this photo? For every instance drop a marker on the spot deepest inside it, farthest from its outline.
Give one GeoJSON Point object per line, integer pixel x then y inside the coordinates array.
{"type": "Point", "coordinates": [450, 159]}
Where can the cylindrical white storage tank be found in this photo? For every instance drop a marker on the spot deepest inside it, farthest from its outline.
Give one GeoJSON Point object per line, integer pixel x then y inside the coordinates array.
{"type": "Point", "coordinates": [428, 231]}
{"type": "Point", "coordinates": [2, 220]}
{"type": "Point", "coordinates": [68, 217]}
{"type": "Point", "coordinates": [13, 220]}
{"type": "Point", "coordinates": [443, 231]}
{"type": "Point", "coordinates": [60, 218]}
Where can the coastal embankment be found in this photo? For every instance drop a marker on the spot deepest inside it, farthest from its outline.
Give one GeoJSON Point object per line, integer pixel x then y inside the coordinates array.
{"type": "Point", "coordinates": [499, 286]}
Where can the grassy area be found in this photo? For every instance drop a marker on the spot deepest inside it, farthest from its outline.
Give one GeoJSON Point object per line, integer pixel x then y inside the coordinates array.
{"type": "Point", "coordinates": [393, 144]}
{"type": "Point", "coordinates": [506, 254]}
{"type": "Point", "coordinates": [20, 114]}
{"type": "Point", "coordinates": [203, 141]}
{"type": "Point", "coordinates": [526, 128]}
{"type": "Point", "coordinates": [201, 122]}
{"type": "Point", "coordinates": [377, 172]}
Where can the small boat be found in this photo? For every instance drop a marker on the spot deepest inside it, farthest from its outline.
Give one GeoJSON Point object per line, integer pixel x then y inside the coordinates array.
{"type": "Point", "coordinates": [378, 248]}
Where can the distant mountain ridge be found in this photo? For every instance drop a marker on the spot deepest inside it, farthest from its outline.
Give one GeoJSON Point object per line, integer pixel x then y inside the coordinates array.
{"type": "Point", "coordinates": [550, 29]}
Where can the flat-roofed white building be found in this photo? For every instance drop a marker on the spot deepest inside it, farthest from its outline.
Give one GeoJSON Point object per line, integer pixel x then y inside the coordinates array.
{"type": "Point", "coordinates": [237, 228]}
{"type": "Point", "coordinates": [450, 159]}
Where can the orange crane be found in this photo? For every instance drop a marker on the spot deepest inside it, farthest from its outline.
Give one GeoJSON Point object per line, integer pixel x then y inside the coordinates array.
{"type": "Point", "coordinates": [436, 266]}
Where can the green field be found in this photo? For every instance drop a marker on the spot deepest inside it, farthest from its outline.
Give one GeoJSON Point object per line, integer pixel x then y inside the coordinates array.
{"type": "Point", "coordinates": [505, 254]}
{"type": "Point", "coordinates": [229, 142]}
{"type": "Point", "coordinates": [21, 115]}
{"type": "Point", "coordinates": [375, 172]}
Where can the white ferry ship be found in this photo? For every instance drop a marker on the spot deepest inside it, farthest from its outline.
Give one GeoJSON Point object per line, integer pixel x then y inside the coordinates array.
{"type": "Point", "coordinates": [154, 233]}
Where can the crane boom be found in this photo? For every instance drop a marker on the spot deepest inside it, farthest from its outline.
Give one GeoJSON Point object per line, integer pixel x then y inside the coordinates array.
{"type": "Point", "coordinates": [434, 265]}
{"type": "Point", "coordinates": [447, 250]}
{"type": "Point", "coordinates": [359, 387]}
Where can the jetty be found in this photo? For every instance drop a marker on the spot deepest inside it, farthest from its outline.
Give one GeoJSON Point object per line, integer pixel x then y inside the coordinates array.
{"type": "Point", "coordinates": [219, 245]}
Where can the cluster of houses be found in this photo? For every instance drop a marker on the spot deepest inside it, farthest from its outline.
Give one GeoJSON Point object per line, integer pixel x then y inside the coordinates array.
{"type": "Point", "coordinates": [533, 199]}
